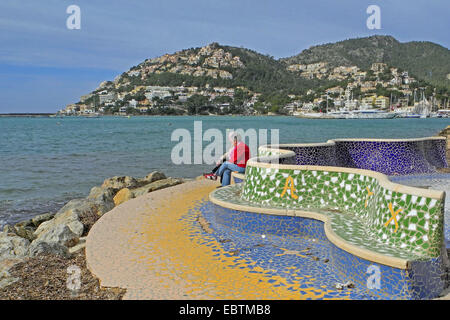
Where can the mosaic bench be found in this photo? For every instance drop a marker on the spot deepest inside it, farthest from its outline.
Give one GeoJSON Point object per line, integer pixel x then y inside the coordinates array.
{"type": "Point", "coordinates": [364, 214]}
{"type": "Point", "coordinates": [388, 156]}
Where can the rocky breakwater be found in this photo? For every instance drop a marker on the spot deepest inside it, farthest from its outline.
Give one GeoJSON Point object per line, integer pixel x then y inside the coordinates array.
{"type": "Point", "coordinates": [64, 233]}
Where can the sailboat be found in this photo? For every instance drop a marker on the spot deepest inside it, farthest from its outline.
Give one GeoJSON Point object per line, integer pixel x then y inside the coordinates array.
{"type": "Point", "coordinates": [423, 108]}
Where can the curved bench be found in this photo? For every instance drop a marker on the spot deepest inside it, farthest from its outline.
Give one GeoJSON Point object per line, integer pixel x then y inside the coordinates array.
{"type": "Point", "coordinates": [388, 156]}
{"type": "Point", "coordinates": [363, 212]}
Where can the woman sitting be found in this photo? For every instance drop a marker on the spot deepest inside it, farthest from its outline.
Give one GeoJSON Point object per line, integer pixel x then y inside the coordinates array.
{"type": "Point", "coordinates": [236, 160]}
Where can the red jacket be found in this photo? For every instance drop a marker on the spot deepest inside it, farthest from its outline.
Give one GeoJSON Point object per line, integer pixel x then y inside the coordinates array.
{"type": "Point", "coordinates": [239, 155]}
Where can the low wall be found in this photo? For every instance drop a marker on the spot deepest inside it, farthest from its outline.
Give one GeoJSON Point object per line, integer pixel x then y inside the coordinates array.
{"type": "Point", "coordinates": [388, 156]}
{"type": "Point", "coordinates": [446, 134]}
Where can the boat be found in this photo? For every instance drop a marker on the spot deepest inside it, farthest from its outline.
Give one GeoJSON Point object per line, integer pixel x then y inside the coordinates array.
{"type": "Point", "coordinates": [364, 112]}
{"type": "Point", "coordinates": [409, 115]}
{"type": "Point", "coordinates": [312, 115]}
{"type": "Point", "coordinates": [370, 114]}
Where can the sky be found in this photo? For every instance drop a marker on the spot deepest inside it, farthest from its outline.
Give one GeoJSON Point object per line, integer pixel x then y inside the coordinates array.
{"type": "Point", "coordinates": [45, 66]}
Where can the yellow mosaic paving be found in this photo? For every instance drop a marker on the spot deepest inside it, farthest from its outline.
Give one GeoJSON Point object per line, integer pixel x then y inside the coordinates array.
{"type": "Point", "coordinates": [152, 247]}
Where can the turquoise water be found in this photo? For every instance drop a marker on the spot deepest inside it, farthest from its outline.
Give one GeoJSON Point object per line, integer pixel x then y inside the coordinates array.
{"type": "Point", "coordinates": [47, 161]}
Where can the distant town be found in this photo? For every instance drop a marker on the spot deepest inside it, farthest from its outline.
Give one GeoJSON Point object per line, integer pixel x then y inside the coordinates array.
{"type": "Point", "coordinates": [136, 92]}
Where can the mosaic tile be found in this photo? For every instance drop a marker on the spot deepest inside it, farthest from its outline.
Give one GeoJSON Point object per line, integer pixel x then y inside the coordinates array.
{"type": "Point", "coordinates": [294, 252]}
{"type": "Point", "coordinates": [410, 225]}
{"type": "Point", "coordinates": [361, 210]}
{"type": "Point", "coordinates": [403, 157]}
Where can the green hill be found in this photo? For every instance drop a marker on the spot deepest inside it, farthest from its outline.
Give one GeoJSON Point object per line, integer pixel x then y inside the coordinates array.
{"type": "Point", "coordinates": [424, 60]}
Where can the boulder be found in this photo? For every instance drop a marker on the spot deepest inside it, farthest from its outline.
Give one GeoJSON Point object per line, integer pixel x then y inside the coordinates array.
{"type": "Point", "coordinates": [37, 247]}
{"type": "Point", "coordinates": [25, 232]}
{"type": "Point", "coordinates": [69, 218]}
{"type": "Point", "coordinates": [157, 185]}
{"type": "Point", "coordinates": [80, 246]}
{"type": "Point", "coordinates": [78, 215]}
{"type": "Point", "coordinates": [103, 198]}
{"type": "Point", "coordinates": [60, 234]}
{"type": "Point", "coordinates": [42, 218]}
{"type": "Point", "coordinates": [123, 195]}
{"type": "Point", "coordinates": [118, 183]}
{"type": "Point", "coordinates": [12, 246]}
{"type": "Point", "coordinates": [9, 230]}
{"type": "Point", "coordinates": [101, 194]}
{"type": "Point", "coordinates": [153, 176]}
{"type": "Point", "coordinates": [5, 277]}
{"type": "Point", "coordinates": [26, 228]}
{"type": "Point", "coordinates": [82, 206]}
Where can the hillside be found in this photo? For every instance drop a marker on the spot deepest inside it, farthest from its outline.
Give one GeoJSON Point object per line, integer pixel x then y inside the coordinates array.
{"type": "Point", "coordinates": [425, 60]}
{"type": "Point", "coordinates": [223, 79]}
{"type": "Point", "coordinates": [217, 65]}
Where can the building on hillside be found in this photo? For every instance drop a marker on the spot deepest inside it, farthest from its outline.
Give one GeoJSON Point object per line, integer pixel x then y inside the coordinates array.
{"type": "Point", "coordinates": [107, 97]}
{"type": "Point", "coordinates": [382, 102]}
{"type": "Point", "coordinates": [378, 67]}
{"type": "Point", "coordinates": [351, 104]}
{"type": "Point", "coordinates": [133, 103]}
{"type": "Point", "coordinates": [378, 102]}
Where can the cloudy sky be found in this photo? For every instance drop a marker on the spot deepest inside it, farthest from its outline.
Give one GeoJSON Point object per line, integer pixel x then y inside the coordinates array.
{"type": "Point", "coordinates": [44, 65]}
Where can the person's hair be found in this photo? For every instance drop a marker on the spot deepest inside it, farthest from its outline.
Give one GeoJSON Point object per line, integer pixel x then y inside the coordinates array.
{"type": "Point", "coordinates": [232, 135]}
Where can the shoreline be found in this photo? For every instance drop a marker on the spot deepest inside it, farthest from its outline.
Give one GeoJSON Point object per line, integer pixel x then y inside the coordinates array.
{"type": "Point", "coordinates": [55, 241]}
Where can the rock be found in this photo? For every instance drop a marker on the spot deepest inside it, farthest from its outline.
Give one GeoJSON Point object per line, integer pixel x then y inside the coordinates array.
{"type": "Point", "coordinates": [26, 228]}
{"type": "Point", "coordinates": [9, 230]}
{"type": "Point", "coordinates": [12, 246]}
{"type": "Point", "coordinates": [42, 218]}
{"type": "Point", "coordinates": [24, 224]}
{"type": "Point", "coordinates": [79, 215]}
{"type": "Point", "coordinates": [25, 232]}
{"type": "Point", "coordinates": [60, 234]}
{"type": "Point", "coordinates": [77, 248]}
{"type": "Point", "coordinates": [103, 198]}
{"type": "Point", "coordinates": [101, 194]}
{"type": "Point", "coordinates": [154, 176]}
{"type": "Point", "coordinates": [118, 183]}
{"type": "Point", "coordinates": [347, 285]}
{"type": "Point", "coordinates": [157, 185]}
{"type": "Point", "coordinates": [38, 247]}
{"type": "Point", "coordinates": [69, 219]}
{"type": "Point", "coordinates": [68, 216]}
{"type": "Point", "coordinates": [123, 195]}
{"type": "Point", "coordinates": [81, 207]}
{"type": "Point", "coordinates": [5, 277]}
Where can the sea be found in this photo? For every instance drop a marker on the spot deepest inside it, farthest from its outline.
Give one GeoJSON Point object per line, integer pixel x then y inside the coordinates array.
{"type": "Point", "coordinates": [45, 162]}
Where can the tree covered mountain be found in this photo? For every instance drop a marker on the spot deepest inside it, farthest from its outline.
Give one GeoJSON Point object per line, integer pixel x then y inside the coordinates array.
{"type": "Point", "coordinates": [213, 65]}
{"type": "Point", "coordinates": [245, 80]}
{"type": "Point", "coordinates": [425, 60]}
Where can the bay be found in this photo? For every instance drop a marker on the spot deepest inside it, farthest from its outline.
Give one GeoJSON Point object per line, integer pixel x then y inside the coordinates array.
{"type": "Point", "coordinates": [45, 162]}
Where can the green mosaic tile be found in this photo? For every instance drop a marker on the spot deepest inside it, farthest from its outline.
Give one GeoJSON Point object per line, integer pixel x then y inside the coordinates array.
{"type": "Point", "coordinates": [411, 225]}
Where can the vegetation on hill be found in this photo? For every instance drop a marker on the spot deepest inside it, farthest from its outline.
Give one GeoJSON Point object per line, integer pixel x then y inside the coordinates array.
{"type": "Point", "coordinates": [424, 60]}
